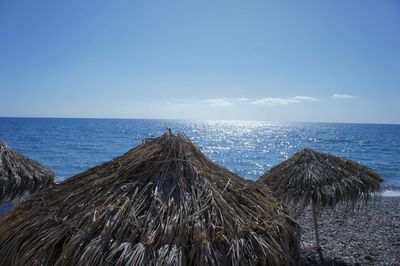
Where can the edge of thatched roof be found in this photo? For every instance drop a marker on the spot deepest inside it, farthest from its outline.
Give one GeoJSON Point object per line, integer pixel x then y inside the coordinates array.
{"type": "Point", "coordinates": [162, 202]}
{"type": "Point", "coordinates": [20, 175]}
{"type": "Point", "coordinates": [312, 176]}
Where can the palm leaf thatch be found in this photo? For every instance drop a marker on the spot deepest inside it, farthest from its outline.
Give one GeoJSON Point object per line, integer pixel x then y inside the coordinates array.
{"type": "Point", "coordinates": [311, 177]}
{"type": "Point", "coordinates": [20, 175]}
{"type": "Point", "coordinates": [316, 179]}
{"type": "Point", "coordinates": [161, 203]}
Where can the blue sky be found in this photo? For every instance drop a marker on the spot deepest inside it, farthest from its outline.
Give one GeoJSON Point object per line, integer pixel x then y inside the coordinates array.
{"type": "Point", "coordinates": [329, 61]}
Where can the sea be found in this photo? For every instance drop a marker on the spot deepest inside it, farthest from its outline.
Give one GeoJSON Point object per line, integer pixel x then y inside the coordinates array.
{"type": "Point", "coordinates": [69, 146]}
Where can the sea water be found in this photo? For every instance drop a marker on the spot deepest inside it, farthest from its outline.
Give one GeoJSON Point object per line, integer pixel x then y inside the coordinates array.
{"type": "Point", "coordinates": [70, 146]}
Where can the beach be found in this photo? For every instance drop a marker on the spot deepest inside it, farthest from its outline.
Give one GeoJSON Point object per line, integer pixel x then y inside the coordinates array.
{"type": "Point", "coordinates": [200, 133]}
{"type": "Point", "coordinates": [71, 146]}
{"type": "Point", "coordinates": [365, 237]}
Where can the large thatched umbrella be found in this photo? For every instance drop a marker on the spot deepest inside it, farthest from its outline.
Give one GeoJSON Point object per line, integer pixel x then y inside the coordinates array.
{"type": "Point", "coordinates": [20, 175]}
{"type": "Point", "coordinates": [316, 179]}
{"type": "Point", "coordinates": [161, 203]}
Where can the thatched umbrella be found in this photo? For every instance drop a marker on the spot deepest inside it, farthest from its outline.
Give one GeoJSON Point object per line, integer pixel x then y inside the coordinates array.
{"type": "Point", "coordinates": [161, 203]}
{"type": "Point", "coordinates": [20, 175]}
{"type": "Point", "coordinates": [319, 180]}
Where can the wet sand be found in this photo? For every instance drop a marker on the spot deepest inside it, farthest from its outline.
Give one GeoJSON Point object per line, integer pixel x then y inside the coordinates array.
{"type": "Point", "coordinates": [370, 237]}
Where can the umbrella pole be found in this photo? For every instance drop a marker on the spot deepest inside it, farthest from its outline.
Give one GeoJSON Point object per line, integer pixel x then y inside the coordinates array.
{"type": "Point", "coordinates": [319, 250]}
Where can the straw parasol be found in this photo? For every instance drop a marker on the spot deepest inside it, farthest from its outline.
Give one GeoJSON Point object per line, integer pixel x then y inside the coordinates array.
{"type": "Point", "coordinates": [20, 175]}
{"type": "Point", "coordinates": [319, 180]}
{"type": "Point", "coordinates": [161, 203]}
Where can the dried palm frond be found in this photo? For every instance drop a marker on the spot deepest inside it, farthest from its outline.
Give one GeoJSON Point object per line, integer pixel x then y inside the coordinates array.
{"type": "Point", "coordinates": [319, 180]}
{"type": "Point", "coordinates": [161, 203]}
{"type": "Point", "coordinates": [20, 175]}
{"type": "Point", "coordinates": [324, 179]}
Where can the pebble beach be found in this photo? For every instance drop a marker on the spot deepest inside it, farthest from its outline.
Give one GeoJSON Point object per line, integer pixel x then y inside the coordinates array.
{"type": "Point", "coordinates": [363, 237]}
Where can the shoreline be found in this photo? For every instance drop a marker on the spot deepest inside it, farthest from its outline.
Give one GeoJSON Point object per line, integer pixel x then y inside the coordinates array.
{"type": "Point", "coordinates": [362, 237]}
{"type": "Point", "coordinates": [391, 193]}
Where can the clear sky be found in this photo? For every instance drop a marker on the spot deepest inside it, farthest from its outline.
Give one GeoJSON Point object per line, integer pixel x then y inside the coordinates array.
{"type": "Point", "coordinates": [328, 61]}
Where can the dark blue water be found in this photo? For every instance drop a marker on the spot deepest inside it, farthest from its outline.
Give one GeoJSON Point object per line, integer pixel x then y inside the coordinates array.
{"type": "Point", "coordinates": [69, 146]}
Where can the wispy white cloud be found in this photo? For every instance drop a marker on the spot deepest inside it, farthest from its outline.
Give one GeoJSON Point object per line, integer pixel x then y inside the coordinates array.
{"type": "Point", "coordinates": [305, 98]}
{"type": "Point", "coordinates": [343, 96]}
{"type": "Point", "coordinates": [228, 102]}
{"type": "Point", "coordinates": [177, 105]}
{"type": "Point", "coordinates": [284, 101]}
{"type": "Point", "coordinates": [219, 102]}
{"type": "Point", "coordinates": [243, 99]}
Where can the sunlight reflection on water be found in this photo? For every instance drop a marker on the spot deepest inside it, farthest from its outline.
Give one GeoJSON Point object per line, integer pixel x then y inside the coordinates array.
{"type": "Point", "coordinates": [69, 146]}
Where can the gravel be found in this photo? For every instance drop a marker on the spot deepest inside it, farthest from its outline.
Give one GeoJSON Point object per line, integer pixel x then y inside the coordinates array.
{"type": "Point", "coordinates": [363, 237]}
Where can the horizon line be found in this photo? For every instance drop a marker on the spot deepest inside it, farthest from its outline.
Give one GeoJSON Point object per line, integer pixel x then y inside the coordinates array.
{"type": "Point", "coordinates": [183, 119]}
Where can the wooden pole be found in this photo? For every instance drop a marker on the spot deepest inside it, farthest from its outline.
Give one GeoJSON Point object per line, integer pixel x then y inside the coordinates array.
{"type": "Point", "coordinates": [314, 211]}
